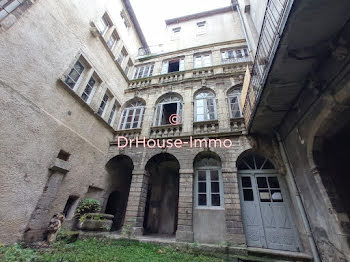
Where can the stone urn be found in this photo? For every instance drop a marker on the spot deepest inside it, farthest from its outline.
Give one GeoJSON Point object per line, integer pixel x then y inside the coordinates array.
{"type": "Point", "coordinates": [95, 222]}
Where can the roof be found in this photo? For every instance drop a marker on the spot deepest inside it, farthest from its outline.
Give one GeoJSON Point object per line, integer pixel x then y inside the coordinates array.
{"type": "Point", "coordinates": [133, 18]}
{"type": "Point", "coordinates": [198, 15]}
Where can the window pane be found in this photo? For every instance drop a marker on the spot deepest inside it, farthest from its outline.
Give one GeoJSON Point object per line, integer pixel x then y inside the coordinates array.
{"type": "Point", "coordinates": [273, 182]}
{"type": "Point", "coordinates": [264, 195]}
{"type": "Point", "coordinates": [202, 187]}
{"type": "Point", "coordinates": [74, 75]}
{"type": "Point", "coordinates": [79, 67]}
{"type": "Point", "coordinates": [262, 183]}
{"type": "Point", "coordinates": [215, 199]}
{"type": "Point", "coordinates": [202, 199]}
{"type": "Point", "coordinates": [70, 82]}
{"type": "Point", "coordinates": [246, 181]}
{"type": "Point", "coordinates": [201, 176]}
{"type": "Point", "coordinates": [214, 175]}
{"type": "Point", "coordinates": [215, 187]}
{"type": "Point", "coordinates": [276, 196]}
{"type": "Point", "coordinates": [248, 195]}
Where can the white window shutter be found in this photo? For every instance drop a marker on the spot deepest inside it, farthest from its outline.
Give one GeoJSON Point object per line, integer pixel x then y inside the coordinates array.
{"type": "Point", "coordinates": [165, 67]}
{"type": "Point", "coordinates": [197, 62]}
{"type": "Point", "coordinates": [182, 64]}
{"type": "Point", "coordinates": [207, 60]}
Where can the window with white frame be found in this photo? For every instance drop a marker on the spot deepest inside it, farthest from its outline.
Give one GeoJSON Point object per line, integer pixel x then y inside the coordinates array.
{"type": "Point", "coordinates": [202, 60]}
{"type": "Point", "coordinates": [89, 90]}
{"type": "Point", "coordinates": [125, 18]}
{"type": "Point", "coordinates": [208, 187]}
{"type": "Point", "coordinates": [103, 106]}
{"type": "Point", "coordinates": [201, 28]}
{"type": "Point", "coordinates": [205, 106]}
{"type": "Point", "coordinates": [103, 24]}
{"type": "Point", "coordinates": [113, 39]}
{"type": "Point", "coordinates": [234, 55]}
{"type": "Point", "coordinates": [8, 6]}
{"type": "Point", "coordinates": [175, 33]}
{"type": "Point", "coordinates": [112, 115]}
{"type": "Point", "coordinates": [234, 104]}
{"type": "Point", "coordinates": [169, 105]}
{"type": "Point", "coordinates": [143, 71]}
{"type": "Point", "coordinates": [132, 115]}
{"type": "Point", "coordinates": [75, 74]}
{"type": "Point", "coordinates": [174, 65]}
{"type": "Point", "coordinates": [122, 55]}
{"type": "Point", "coordinates": [128, 66]}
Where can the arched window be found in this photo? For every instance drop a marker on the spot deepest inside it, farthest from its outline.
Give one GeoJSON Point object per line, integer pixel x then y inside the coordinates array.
{"type": "Point", "coordinates": [169, 105]}
{"type": "Point", "coordinates": [132, 115]}
{"type": "Point", "coordinates": [208, 185]}
{"type": "Point", "coordinates": [205, 106]}
{"type": "Point", "coordinates": [254, 162]}
{"type": "Point", "coordinates": [234, 103]}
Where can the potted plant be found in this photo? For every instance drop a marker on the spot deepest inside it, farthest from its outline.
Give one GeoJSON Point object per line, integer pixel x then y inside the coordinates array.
{"type": "Point", "coordinates": [89, 216]}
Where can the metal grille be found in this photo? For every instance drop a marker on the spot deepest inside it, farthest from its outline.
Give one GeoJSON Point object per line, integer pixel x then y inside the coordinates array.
{"type": "Point", "coordinates": [276, 14]}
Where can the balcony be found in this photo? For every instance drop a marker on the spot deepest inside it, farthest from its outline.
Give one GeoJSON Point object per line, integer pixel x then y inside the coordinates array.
{"type": "Point", "coordinates": [166, 131]}
{"type": "Point", "coordinates": [206, 127]}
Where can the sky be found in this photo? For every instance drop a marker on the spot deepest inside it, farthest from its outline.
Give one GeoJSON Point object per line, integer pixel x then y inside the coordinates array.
{"type": "Point", "coordinates": [151, 14]}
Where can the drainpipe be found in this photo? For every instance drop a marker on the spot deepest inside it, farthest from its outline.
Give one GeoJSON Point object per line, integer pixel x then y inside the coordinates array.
{"type": "Point", "coordinates": [242, 23]}
{"type": "Point", "coordinates": [298, 198]}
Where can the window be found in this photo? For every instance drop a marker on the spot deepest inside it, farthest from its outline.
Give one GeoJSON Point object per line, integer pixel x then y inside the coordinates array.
{"type": "Point", "coordinates": [112, 40]}
{"type": "Point", "coordinates": [112, 115]}
{"type": "Point", "coordinates": [235, 55]}
{"type": "Point", "coordinates": [202, 60]}
{"type": "Point", "coordinates": [209, 188]}
{"type": "Point", "coordinates": [103, 24]}
{"type": "Point", "coordinates": [132, 115]}
{"type": "Point", "coordinates": [122, 56]}
{"type": "Point", "coordinates": [143, 71]}
{"type": "Point", "coordinates": [103, 106]}
{"type": "Point", "coordinates": [125, 18]}
{"type": "Point", "coordinates": [204, 106]}
{"type": "Point", "coordinates": [173, 65]}
{"type": "Point", "coordinates": [201, 28]}
{"type": "Point", "coordinates": [234, 104]}
{"type": "Point", "coordinates": [7, 6]}
{"type": "Point", "coordinates": [68, 208]}
{"type": "Point", "coordinates": [128, 66]}
{"type": "Point", "coordinates": [269, 189]}
{"type": "Point", "coordinates": [175, 33]}
{"type": "Point", "coordinates": [74, 75]}
{"type": "Point", "coordinates": [89, 90]}
{"type": "Point", "coordinates": [171, 104]}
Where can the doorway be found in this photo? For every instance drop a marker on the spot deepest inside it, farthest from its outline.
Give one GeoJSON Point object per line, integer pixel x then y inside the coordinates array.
{"type": "Point", "coordinates": [265, 206]}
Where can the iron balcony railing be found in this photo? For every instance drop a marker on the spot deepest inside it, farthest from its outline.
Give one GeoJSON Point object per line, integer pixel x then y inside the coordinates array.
{"type": "Point", "coordinates": [276, 14]}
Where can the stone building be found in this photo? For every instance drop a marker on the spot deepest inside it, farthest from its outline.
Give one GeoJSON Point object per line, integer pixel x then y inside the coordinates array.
{"type": "Point", "coordinates": [249, 159]}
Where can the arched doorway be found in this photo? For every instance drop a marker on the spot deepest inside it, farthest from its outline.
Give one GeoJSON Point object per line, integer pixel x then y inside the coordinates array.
{"type": "Point", "coordinates": [162, 196]}
{"type": "Point", "coordinates": [120, 173]}
{"type": "Point", "coordinates": [209, 225]}
{"type": "Point", "coordinates": [266, 213]}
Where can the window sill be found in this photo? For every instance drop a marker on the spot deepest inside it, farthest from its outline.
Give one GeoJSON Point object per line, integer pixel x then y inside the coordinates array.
{"type": "Point", "coordinates": [82, 102]}
{"type": "Point", "coordinates": [209, 208]}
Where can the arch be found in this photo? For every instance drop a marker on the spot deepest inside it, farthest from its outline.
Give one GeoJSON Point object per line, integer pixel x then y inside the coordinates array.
{"type": "Point", "coordinates": [119, 169]}
{"type": "Point", "coordinates": [161, 209]}
{"type": "Point", "coordinates": [171, 96]}
{"type": "Point", "coordinates": [132, 114]}
{"type": "Point", "coordinates": [235, 88]}
{"type": "Point", "coordinates": [204, 90]}
{"type": "Point", "coordinates": [206, 158]}
{"type": "Point", "coordinates": [251, 160]}
{"type": "Point", "coordinates": [136, 101]}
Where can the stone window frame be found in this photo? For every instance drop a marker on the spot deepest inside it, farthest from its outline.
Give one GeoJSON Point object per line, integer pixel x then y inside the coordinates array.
{"type": "Point", "coordinates": [104, 104]}
{"type": "Point", "coordinates": [122, 56]}
{"type": "Point", "coordinates": [203, 62]}
{"type": "Point", "coordinates": [125, 19]}
{"type": "Point", "coordinates": [110, 43]}
{"type": "Point", "coordinates": [205, 105]}
{"type": "Point", "coordinates": [144, 73]}
{"type": "Point", "coordinates": [128, 67]}
{"type": "Point", "coordinates": [113, 114]}
{"type": "Point", "coordinates": [208, 192]}
{"type": "Point", "coordinates": [106, 21]}
{"type": "Point", "coordinates": [132, 106]}
{"type": "Point", "coordinates": [237, 94]}
{"type": "Point", "coordinates": [201, 28]}
{"type": "Point", "coordinates": [165, 64]}
{"type": "Point", "coordinates": [169, 98]}
{"type": "Point", "coordinates": [9, 6]}
{"type": "Point", "coordinates": [97, 80]}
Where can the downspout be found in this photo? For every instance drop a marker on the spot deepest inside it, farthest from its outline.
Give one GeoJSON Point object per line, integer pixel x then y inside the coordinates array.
{"type": "Point", "coordinates": [298, 199]}
{"type": "Point", "coordinates": [242, 23]}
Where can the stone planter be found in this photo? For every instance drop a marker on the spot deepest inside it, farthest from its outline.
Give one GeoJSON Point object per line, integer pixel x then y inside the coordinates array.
{"type": "Point", "coordinates": [96, 222]}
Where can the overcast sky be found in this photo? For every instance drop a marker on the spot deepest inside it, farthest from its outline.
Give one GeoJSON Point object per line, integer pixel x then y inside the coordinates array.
{"type": "Point", "coordinates": [152, 13]}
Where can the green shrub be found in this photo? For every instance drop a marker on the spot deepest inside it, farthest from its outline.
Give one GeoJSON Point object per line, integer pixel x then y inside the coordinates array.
{"type": "Point", "coordinates": [87, 205]}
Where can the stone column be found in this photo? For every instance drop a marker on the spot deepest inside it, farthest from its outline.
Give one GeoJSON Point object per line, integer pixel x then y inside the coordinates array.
{"type": "Point", "coordinates": [184, 231]}
{"type": "Point", "coordinates": [40, 218]}
{"type": "Point", "coordinates": [233, 216]}
{"type": "Point", "coordinates": [136, 203]}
